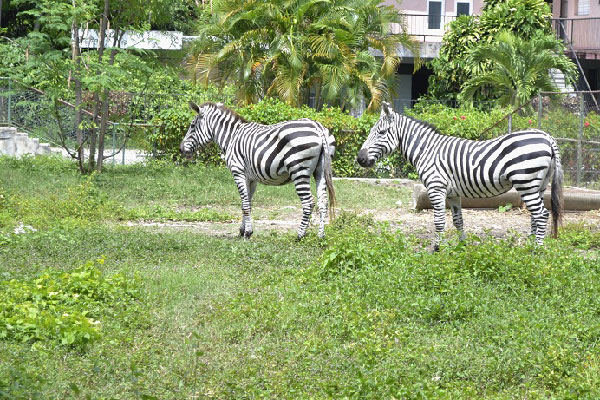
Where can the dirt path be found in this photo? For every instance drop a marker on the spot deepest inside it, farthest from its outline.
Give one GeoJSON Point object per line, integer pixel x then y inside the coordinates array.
{"type": "Point", "coordinates": [419, 223]}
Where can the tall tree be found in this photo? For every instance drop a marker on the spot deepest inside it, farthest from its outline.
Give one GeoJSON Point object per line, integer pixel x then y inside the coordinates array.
{"type": "Point", "coordinates": [519, 68]}
{"type": "Point", "coordinates": [47, 63]}
{"type": "Point", "coordinates": [452, 68]}
{"type": "Point", "coordinates": [284, 48]}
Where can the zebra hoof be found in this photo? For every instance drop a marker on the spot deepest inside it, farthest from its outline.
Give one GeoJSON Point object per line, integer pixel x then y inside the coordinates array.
{"type": "Point", "coordinates": [247, 234]}
{"type": "Point", "coordinates": [436, 248]}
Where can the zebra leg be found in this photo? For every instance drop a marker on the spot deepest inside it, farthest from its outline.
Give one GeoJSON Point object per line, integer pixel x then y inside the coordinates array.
{"type": "Point", "coordinates": [302, 183]}
{"type": "Point", "coordinates": [438, 201]}
{"type": "Point", "coordinates": [539, 214]}
{"type": "Point", "coordinates": [533, 230]}
{"type": "Point", "coordinates": [457, 218]}
{"type": "Point", "coordinates": [246, 190]}
{"type": "Point", "coordinates": [322, 199]}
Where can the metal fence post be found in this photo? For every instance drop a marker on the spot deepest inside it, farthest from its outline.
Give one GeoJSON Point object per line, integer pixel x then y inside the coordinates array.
{"type": "Point", "coordinates": [123, 155]}
{"type": "Point", "coordinates": [9, 102]}
{"type": "Point", "coordinates": [580, 138]}
{"type": "Point", "coordinates": [113, 142]}
{"type": "Point", "coordinates": [539, 110]}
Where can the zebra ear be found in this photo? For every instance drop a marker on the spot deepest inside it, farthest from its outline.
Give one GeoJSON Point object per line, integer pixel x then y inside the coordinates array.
{"type": "Point", "coordinates": [194, 107]}
{"type": "Point", "coordinates": [386, 109]}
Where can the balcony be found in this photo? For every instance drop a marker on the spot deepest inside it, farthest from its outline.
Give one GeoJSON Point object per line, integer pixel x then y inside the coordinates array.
{"type": "Point", "coordinates": [426, 28]}
{"type": "Point", "coordinates": [581, 33]}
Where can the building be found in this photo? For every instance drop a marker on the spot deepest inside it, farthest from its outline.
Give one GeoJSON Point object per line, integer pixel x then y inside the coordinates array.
{"type": "Point", "coordinates": [577, 22]}
{"type": "Point", "coordinates": [427, 21]}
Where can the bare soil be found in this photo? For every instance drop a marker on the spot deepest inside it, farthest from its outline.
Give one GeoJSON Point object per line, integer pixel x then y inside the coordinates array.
{"type": "Point", "coordinates": [480, 222]}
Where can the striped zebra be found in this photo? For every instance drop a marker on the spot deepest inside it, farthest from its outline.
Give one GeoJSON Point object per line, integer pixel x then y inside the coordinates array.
{"type": "Point", "coordinates": [269, 154]}
{"type": "Point", "coordinates": [452, 167]}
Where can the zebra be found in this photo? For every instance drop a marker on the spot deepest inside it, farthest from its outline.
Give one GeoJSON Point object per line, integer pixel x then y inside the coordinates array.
{"type": "Point", "coordinates": [452, 167]}
{"type": "Point", "coordinates": [289, 151]}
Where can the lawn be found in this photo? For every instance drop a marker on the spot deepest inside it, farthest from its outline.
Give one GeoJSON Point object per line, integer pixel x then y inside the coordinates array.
{"type": "Point", "coordinates": [365, 313]}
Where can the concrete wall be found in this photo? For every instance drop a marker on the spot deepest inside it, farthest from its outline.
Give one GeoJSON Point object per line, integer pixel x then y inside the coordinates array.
{"type": "Point", "coordinates": [16, 144]}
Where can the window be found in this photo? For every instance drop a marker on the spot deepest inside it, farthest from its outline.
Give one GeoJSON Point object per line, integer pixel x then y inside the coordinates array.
{"type": "Point", "coordinates": [583, 7]}
{"type": "Point", "coordinates": [435, 15]}
{"type": "Point", "coordinates": [463, 8]}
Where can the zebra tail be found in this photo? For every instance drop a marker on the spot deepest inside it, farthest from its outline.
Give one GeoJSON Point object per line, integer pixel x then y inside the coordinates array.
{"type": "Point", "coordinates": [556, 194]}
{"type": "Point", "coordinates": [328, 178]}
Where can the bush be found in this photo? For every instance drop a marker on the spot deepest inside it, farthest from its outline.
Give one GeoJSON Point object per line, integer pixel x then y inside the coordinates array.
{"type": "Point", "coordinates": [64, 307]}
{"type": "Point", "coordinates": [468, 122]}
{"type": "Point", "coordinates": [349, 132]}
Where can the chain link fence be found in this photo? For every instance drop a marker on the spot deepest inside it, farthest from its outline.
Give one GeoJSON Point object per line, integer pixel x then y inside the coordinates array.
{"type": "Point", "coordinates": [53, 120]}
{"type": "Point", "coordinates": [573, 118]}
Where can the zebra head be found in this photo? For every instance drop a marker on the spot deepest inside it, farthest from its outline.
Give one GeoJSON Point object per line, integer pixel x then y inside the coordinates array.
{"type": "Point", "coordinates": [198, 134]}
{"type": "Point", "coordinates": [382, 139]}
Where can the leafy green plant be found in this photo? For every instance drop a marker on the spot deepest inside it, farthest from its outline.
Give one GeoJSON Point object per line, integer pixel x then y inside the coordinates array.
{"type": "Point", "coordinates": [581, 236]}
{"type": "Point", "coordinates": [505, 208]}
{"type": "Point", "coordinates": [311, 44]}
{"type": "Point", "coordinates": [524, 18]}
{"type": "Point", "coordinates": [350, 132]}
{"type": "Point", "coordinates": [64, 307]}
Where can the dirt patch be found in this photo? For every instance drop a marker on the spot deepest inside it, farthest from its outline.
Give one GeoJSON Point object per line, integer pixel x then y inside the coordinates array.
{"type": "Point", "coordinates": [420, 223]}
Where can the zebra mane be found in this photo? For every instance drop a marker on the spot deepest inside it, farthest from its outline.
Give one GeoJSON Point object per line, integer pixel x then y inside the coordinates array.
{"type": "Point", "coordinates": [223, 108]}
{"type": "Point", "coordinates": [425, 124]}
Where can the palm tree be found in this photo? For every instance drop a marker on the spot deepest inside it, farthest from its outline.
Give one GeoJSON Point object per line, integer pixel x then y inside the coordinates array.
{"type": "Point", "coordinates": [518, 68]}
{"type": "Point", "coordinates": [284, 48]}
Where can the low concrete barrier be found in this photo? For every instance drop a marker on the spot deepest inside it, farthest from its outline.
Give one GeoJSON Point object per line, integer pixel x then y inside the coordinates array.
{"type": "Point", "coordinates": [16, 144]}
{"type": "Point", "coordinates": [575, 199]}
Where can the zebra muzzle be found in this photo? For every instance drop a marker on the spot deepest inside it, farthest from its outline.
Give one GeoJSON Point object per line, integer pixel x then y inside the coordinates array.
{"type": "Point", "coordinates": [363, 159]}
{"type": "Point", "coordinates": [184, 151]}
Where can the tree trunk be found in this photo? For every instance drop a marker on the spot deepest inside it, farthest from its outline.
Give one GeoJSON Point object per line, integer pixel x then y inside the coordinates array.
{"type": "Point", "coordinates": [318, 95]}
{"type": "Point", "coordinates": [105, 102]}
{"type": "Point", "coordinates": [96, 97]}
{"type": "Point", "coordinates": [77, 80]}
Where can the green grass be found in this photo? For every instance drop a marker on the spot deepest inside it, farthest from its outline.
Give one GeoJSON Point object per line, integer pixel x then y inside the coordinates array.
{"type": "Point", "coordinates": [362, 314]}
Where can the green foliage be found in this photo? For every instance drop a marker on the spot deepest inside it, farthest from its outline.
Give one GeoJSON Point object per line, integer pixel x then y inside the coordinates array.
{"type": "Point", "coordinates": [468, 122]}
{"type": "Point", "coordinates": [365, 313]}
{"type": "Point", "coordinates": [349, 132]}
{"type": "Point", "coordinates": [162, 213]}
{"type": "Point", "coordinates": [82, 202]}
{"type": "Point", "coordinates": [369, 307]}
{"type": "Point", "coordinates": [524, 18]}
{"type": "Point", "coordinates": [518, 69]}
{"type": "Point", "coordinates": [562, 122]}
{"type": "Point", "coordinates": [63, 307]}
{"type": "Point", "coordinates": [581, 236]}
{"type": "Point", "coordinates": [284, 49]}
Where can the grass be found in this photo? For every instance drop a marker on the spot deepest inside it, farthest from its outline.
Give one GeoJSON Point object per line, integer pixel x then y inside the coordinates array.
{"type": "Point", "coordinates": [362, 314]}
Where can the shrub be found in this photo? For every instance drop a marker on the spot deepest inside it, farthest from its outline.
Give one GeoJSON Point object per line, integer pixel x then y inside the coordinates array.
{"type": "Point", "coordinates": [349, 132]}
{"type": "Point", "coordinates": [64, 307]}
{"type": "Point", "coordinates": [468, 122]}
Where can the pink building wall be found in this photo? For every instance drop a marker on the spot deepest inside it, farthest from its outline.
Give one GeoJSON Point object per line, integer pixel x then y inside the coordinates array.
{"type": "Point", "coordinates": [572, 9]}
{"type": "Point", "coordinates": [420, 6]}
{"type": "Point", "coordinates": [582, 31]}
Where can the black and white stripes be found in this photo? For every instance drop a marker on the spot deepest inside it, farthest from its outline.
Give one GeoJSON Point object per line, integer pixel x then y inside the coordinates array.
{"type": "Point", "coordinates": [451, 167]}
{"type": "Point", "coordinates": [289, 151]}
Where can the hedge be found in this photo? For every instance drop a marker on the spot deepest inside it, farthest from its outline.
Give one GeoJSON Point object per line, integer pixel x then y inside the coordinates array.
{"type": "Point", "coordinates": [350, 132]}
